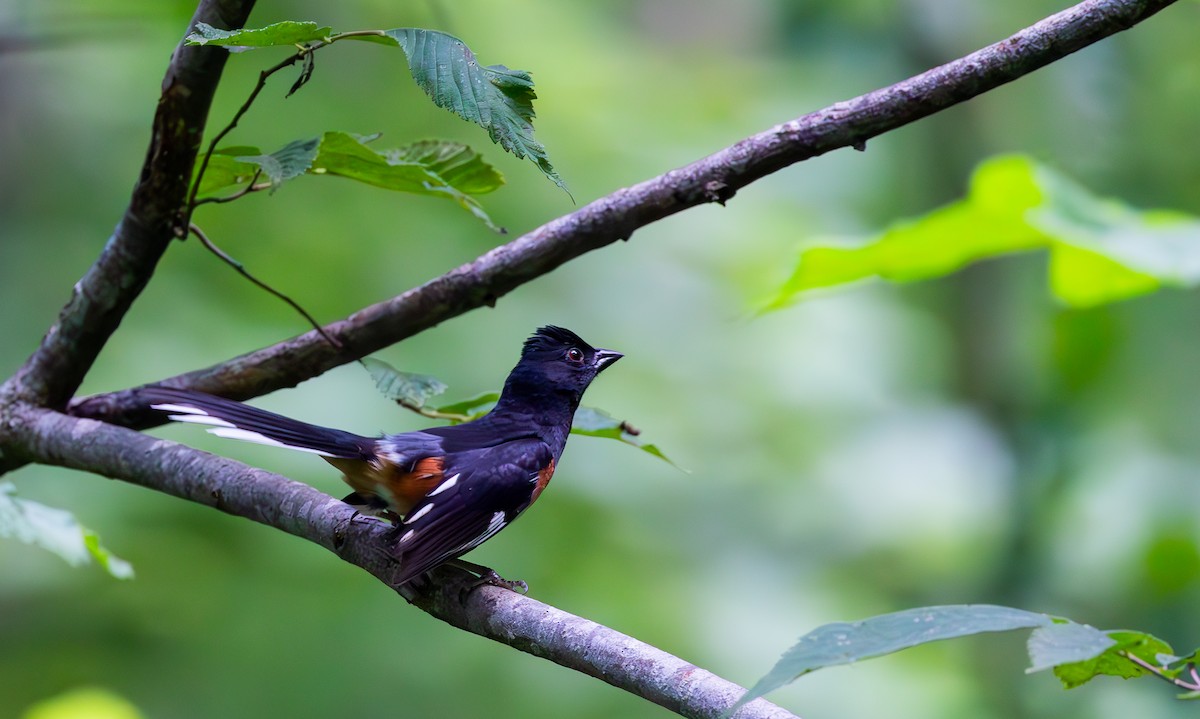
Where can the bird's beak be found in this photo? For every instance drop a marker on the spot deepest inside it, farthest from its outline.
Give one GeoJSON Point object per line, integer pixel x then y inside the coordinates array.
{"type": "Point", "coordinates": [606, 357]}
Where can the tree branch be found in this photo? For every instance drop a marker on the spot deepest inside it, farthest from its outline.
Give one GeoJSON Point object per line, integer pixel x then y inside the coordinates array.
{"type": "Point", "coordinates": [101, 298]}
{"type": "Point", "coordinates": [713, 179]}
{"type": "Point", "coordinates": [48, 437]}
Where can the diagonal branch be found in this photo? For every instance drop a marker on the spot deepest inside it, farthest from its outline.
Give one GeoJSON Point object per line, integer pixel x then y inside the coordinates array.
{"type": "Point", "coordinates": [715, 178]}
{"type": "Point", "coordinates": [48, 437]}
{"type": "Point", "coordinates": [101, 298]}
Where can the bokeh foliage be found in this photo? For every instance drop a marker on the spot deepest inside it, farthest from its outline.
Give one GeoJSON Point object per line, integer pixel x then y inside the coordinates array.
{"type": "Point", "coordinates": [882, 447]}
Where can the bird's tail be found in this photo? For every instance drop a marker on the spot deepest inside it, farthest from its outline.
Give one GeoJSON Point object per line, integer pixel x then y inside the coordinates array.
{"type": "Point", "coordinates": [235, 420]}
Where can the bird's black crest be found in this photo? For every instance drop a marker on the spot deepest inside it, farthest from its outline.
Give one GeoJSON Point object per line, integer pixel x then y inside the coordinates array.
{"type": "Point", "coordinates": [551, 337]}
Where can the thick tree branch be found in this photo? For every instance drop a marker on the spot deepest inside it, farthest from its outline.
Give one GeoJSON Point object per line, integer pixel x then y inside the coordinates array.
{"type": "Point", "coordinates": [45, 436]}
{"type": "Point", "coordinates": [713, 179]}
{"type": "Point", "coordinates": [101, 298]}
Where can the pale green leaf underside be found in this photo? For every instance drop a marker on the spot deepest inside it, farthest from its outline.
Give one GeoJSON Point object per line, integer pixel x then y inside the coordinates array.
{"type": "Point", "coordinates": [408, 388]}
{"type": "Point", "coordinates": [289, 161]}
{"type": "Point", "coordinates": [1100, 250]}
{"type": "Point", "coordinates": [415, 390]}
{"type": "Point", "coordinates": [847, 642]}
{"type": "Point", "coordinates": [1076, 652]}
{"type": "Point", "coordinates": [289, 32]}
{"type": "Point", "coordinates": [56, 530]}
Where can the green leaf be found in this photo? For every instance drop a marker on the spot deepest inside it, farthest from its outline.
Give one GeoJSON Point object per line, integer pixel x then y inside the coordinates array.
{"type": "Point", "coordinates": [1144, 646]}
{"type": "Point", "coordinates": [415, 390]}
{"type": "Point", "coordinates": [1100, 250]}
{"type": "Point", "coordinates": [289, 32]}
{"type": "Point", "coordinates": [844, 643]}
{"type": "Point", "coordinates": [1065, 643]}
{"type": "Point", "coordinates": [598, 423]}
{"type": "Point", "coordinates": [432, 168]}
{"type": "Point", "coordinates": [291, 160]}
{"type": "Point", "coordinates": [83, 703]}
{"type": "Point", "coordinates": [438, 169]}
{"type": "Point", "coordinates": [56, 530]}
{"type": "Point", "coordinates": [225, 170]}
{"type": "Point", "coordinates": [494, 97]}
{"type": "Point", "coordinates": [472, 407]}
{"type": "Point", "coordinates": [407, 388]}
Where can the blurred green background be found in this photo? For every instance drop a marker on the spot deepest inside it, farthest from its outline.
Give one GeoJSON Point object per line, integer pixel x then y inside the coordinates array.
{"type": "Point", "coordinates": [869, 450]}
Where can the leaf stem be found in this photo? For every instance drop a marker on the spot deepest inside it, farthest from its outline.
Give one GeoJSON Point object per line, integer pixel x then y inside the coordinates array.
{"type": "Point", "coordinates": [356, 33]}
{"type": "Point", "coordinates": [241, 269]}
{"type": "Point", "coordinates": [250, 187]}
{"type": "Point", "coordinates": [192, 203]}
{"type": "Point", "coordinates": [1194, 685]}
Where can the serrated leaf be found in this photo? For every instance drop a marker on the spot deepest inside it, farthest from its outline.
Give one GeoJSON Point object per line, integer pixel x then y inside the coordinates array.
{"type": "Point", "coordinates": [1065, 643]}
{"type": "Point", "coordinates": [434, 168]}
{"type": "Point", "coordinates": [289, 161]}
{"type": "Point", "coordinates": [844, 643]}
{"type": "Point", "coordinates": [496, 98]}
{"type": "Point", "coordinates": [593, 422]}
{"type": "Point", "coordinates": [407, 388]}
{"type": "Point", "coordinates": [289, 32]}
{"type": "Point", "coordinates": [1100, 250]}
{"type": "Point", "coordinates": [56, 530]}
{"type": "Point", "coordinates": [1110, 663]}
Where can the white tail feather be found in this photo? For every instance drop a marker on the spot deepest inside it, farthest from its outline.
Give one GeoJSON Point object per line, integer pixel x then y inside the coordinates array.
{"type": "Point", "coordinates": [181, 408]}
{"type": "Point", "coordinates": [231, 432]}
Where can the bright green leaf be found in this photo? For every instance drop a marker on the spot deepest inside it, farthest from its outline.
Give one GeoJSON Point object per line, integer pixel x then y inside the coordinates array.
{"type": "Point", "coordinates": [494, 97]}
{"type": "Point", "coordinates": [1100, 250]}
{"type": "Point", "coordinates": [438, 169]}
{"type": "Point", "coordinates": [83, 703]}
{"type": "Point", "coordinates": [225, 170]}
{"type": "Point", "coordinates": [407, 388]}
{"type": "Point", "coordinates": [472, 407]}
{"type": "Point", "coordinates": [1065, 643]}
{"type": "Point", "coordinates": [432, 167]}
{"type": "Point", "coordinates": [1144, 646]}
{"type": "Point", "coordinates": [289, 32]}
{"type": "Point", "coordinates": [56, 530]}
{"type": "Point", "coordinates": [844, 643]}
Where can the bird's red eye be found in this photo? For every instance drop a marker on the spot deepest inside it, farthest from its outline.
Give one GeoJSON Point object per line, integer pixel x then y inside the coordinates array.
{"type": "Point", "coordinates": [575, 354]}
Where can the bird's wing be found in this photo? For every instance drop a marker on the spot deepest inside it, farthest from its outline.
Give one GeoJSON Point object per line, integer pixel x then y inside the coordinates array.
{"type": "Point", "coordinates": [481, 492]}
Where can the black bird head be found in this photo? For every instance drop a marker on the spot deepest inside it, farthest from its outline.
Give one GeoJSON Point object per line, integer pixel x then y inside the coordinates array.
{"type": "Point", "coordinates": [556, 362]}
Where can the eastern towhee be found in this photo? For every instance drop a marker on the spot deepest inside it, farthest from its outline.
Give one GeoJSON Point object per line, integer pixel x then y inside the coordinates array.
{"type": "Point", "coordinates": [451, 488]}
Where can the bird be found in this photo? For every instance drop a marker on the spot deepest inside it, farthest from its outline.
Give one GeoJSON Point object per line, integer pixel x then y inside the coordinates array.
{"type": "Point", "coordinates": [447, 488]}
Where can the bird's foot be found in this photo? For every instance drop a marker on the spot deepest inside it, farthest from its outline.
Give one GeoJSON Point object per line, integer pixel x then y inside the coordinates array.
{"type": "Point", "coordinates": [487, 575]}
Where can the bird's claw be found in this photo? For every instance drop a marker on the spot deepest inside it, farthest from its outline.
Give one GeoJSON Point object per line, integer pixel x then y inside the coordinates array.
{"type": "Point", "coordinates": [495, 580]}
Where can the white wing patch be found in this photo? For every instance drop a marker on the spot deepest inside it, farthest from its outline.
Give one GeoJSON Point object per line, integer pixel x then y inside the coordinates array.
{"type": "Point", "coordinates": [494, 526]}
{"type": "Point", "coordinates": [444, 486]}
{"type": "Point", "coordinates": [419, 513]}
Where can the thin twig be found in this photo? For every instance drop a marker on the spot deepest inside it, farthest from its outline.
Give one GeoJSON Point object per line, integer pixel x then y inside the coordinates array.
{"type": "Point", "coordinates": [241, 269]}
{"type": "Point", "coordinates": [237, 116]}
{"type": "Point", "coordinates": [617, 216]}
{"type": "Point", "coordinates": [298, 509]}
{"type": "Point", "coordinates": [103, 296]}
{"type": "Point", "coordinates": [1161, 674]}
